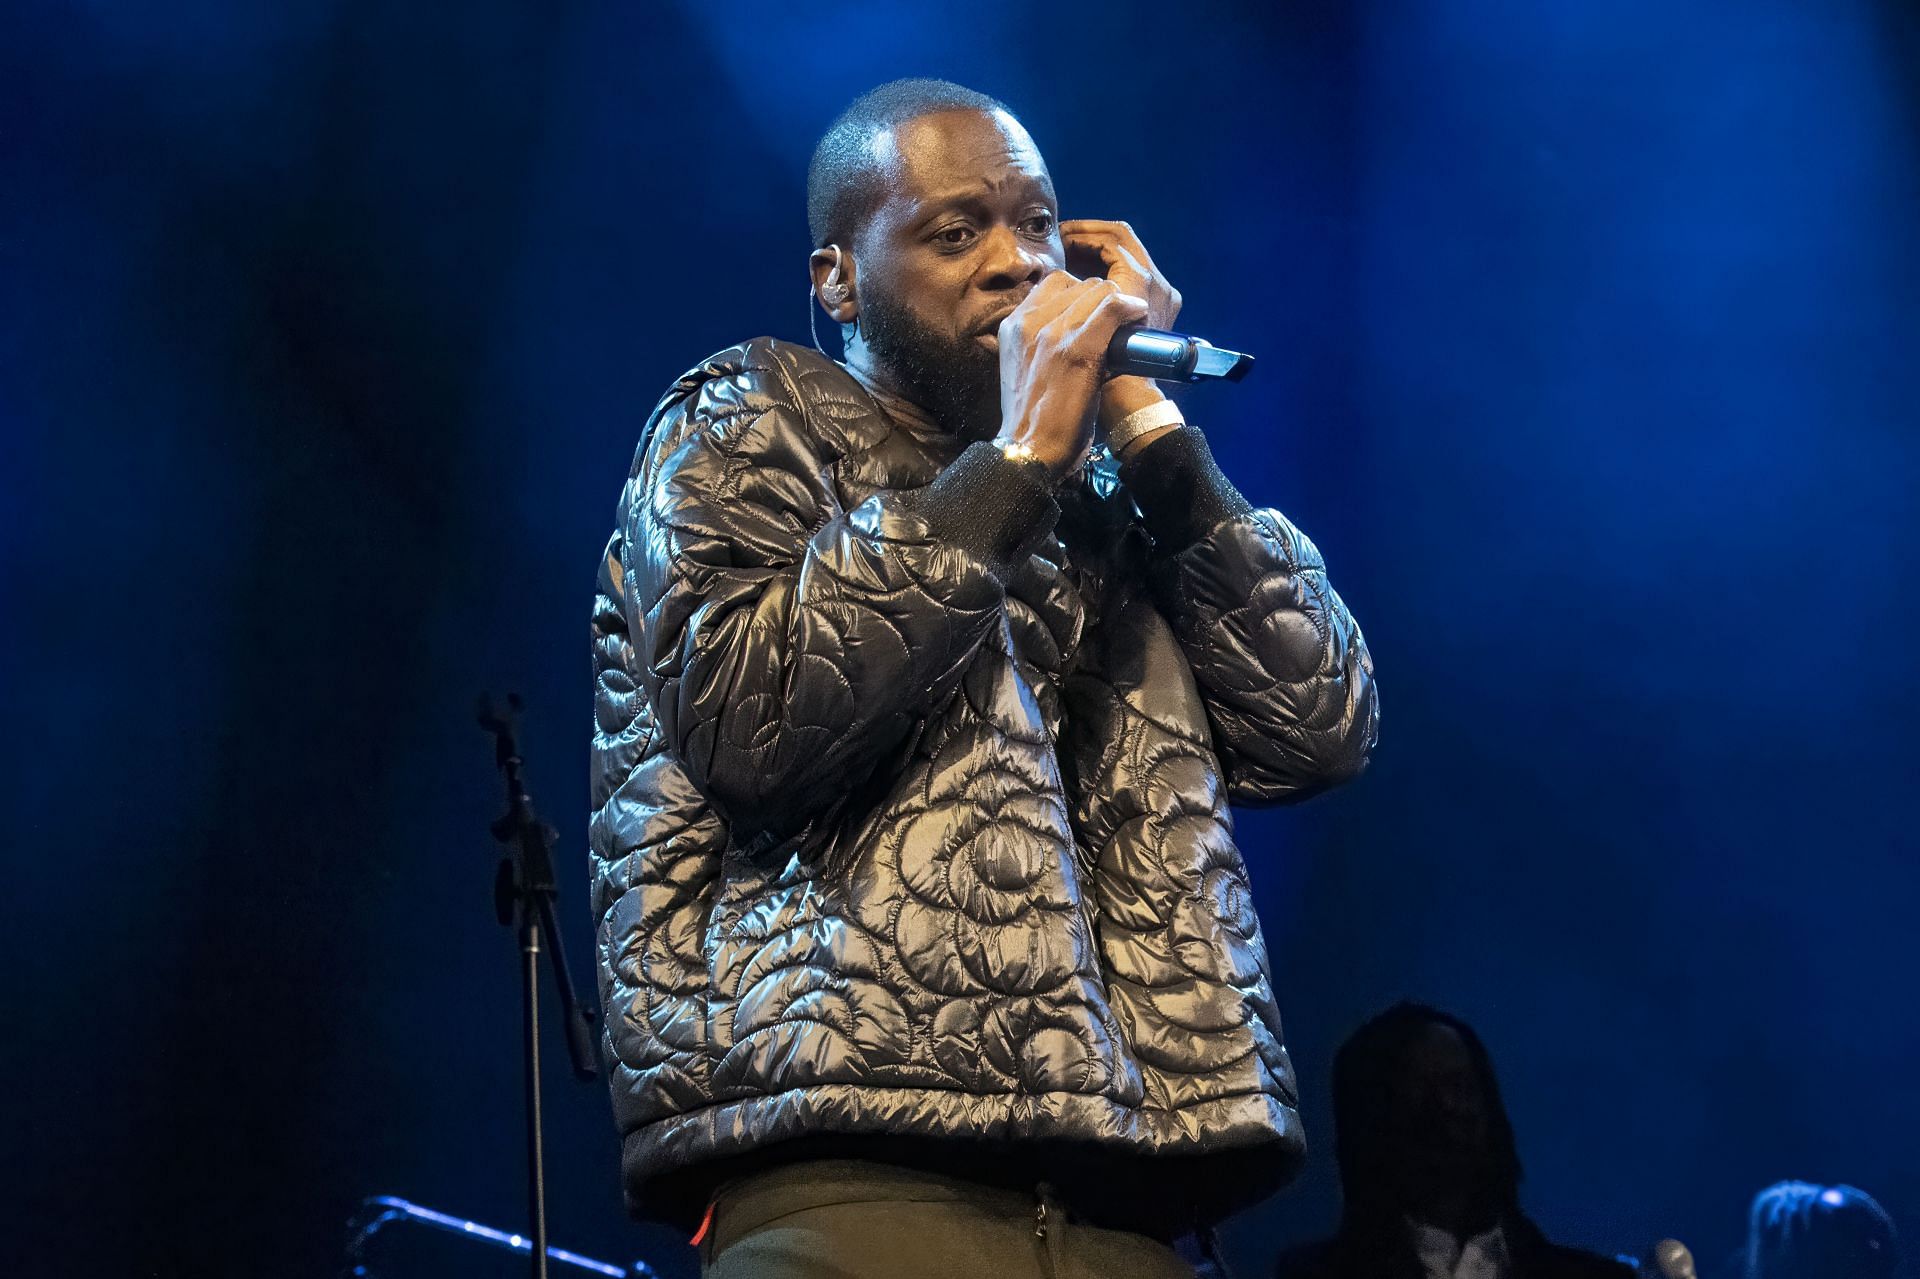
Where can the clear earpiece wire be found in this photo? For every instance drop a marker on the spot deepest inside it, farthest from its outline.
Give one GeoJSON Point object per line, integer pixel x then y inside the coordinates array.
{"type": "Point", "coordinates": [813, 326]}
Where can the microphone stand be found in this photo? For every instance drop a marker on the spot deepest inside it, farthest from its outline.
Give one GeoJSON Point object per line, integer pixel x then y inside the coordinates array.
{"type": "Point", "coordinates": [523, 897]}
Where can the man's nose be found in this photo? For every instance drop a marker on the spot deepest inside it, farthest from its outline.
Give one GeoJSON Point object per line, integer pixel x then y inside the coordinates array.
{"type": "Point", "coordinates": [1012, 262]}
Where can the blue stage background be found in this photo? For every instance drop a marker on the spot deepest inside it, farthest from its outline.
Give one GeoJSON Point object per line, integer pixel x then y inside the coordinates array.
{"type": "Point", "coordinates": [1587, 342]}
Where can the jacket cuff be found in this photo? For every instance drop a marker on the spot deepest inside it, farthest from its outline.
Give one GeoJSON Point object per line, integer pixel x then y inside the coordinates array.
{"type": "Point", "coordinates": [1180, 490]}
{"type": "Point", "coordinates": [990, 505]}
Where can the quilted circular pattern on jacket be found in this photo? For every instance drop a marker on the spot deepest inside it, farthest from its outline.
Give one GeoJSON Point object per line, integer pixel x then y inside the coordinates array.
{"type": "Point", "coordinates": [1021, 913]}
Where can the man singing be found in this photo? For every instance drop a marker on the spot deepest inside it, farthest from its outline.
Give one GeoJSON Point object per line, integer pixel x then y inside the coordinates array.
{"type": "Point", "coordinates": [923, 683]}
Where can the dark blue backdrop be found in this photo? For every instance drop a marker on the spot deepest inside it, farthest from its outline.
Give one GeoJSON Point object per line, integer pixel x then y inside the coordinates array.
{"type": "Point", "coordinates": [1587, 341]}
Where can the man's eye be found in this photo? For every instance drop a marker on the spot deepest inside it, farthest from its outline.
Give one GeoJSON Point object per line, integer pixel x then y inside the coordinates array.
{"type": "Point", "coordinates": [955, 235]}
{"type": "Point", "coordinates": [1039, 223]}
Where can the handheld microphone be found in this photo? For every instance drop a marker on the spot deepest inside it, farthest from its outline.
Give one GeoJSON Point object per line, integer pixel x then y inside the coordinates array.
{"type": "Point", "coordinates": [1172, 357]}
{"type": "Point", "coordinates": [1673, 1260]}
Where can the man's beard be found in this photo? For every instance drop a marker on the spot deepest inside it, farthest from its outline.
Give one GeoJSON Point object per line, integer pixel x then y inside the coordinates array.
{"type": "Point", "coordinates": [956, 380]}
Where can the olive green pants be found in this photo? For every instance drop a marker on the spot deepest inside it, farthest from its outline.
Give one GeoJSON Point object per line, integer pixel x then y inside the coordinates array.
{"type": "Point", "coordinates": [851, 1219]}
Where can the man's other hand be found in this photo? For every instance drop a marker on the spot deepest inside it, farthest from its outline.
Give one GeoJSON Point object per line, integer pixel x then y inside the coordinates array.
{"type": "Point", "coordinates": [1111, 249]}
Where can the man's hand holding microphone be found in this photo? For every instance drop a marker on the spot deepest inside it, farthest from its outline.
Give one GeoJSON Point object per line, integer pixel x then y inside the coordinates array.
{"type": "Point", "coordinates": [1054, 387]}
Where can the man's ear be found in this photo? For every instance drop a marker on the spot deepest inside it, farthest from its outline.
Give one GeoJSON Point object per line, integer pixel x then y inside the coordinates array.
{"type": "Point", "coordinates": [832, 269]}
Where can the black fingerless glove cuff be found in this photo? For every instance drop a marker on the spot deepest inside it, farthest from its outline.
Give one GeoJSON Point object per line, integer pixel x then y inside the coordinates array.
{"type": "Point", "coordinates": [1179, 489]}
{"type": "Point", "coordinates": [991, 506]}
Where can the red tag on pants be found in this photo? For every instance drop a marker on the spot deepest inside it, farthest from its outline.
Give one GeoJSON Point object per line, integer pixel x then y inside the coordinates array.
{"type": "Point", "coordinates": [706, 1224]}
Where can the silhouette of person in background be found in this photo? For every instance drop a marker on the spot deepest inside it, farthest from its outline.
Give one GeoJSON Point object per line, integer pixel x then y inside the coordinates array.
{"type": "Point", "coordinates": [1797, 1230]}
{"type": "Point", "coordinates": [1428, 1167]}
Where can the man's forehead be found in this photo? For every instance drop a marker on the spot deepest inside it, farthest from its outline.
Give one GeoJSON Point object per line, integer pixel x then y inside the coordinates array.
{"type": "Point", "coordinates": [954, 153]}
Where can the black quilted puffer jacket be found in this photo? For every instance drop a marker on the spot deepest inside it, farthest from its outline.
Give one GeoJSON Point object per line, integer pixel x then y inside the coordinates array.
{"type": "Point", "coordinates": [911, 785]}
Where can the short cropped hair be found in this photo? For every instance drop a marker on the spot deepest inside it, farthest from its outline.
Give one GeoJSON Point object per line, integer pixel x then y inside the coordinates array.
{"type": "Point", "coordinates": [843, 186]}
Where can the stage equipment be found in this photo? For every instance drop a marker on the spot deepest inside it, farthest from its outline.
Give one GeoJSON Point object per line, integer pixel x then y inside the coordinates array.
{"type": "Point", "coordinates": [524, 894]}
{"type": "Point", "coordinates": [408, 1252]}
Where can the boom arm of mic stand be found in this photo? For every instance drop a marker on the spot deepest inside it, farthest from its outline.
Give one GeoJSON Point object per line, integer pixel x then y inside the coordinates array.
{"type": "Point", "coordinates": [574, 1019]}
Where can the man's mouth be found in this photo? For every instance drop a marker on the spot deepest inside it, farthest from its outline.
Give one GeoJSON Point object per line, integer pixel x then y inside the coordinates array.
{"type": "Point", "coordinates": [990, 327]}
{"type": "Point", "coordinates": [988, 333]}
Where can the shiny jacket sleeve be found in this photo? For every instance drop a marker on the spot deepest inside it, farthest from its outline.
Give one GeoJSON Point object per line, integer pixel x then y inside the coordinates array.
{"type": "Point", "coordinates": [1278, 659]}
{"type": "Point", "coordinates": [788, 647]}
